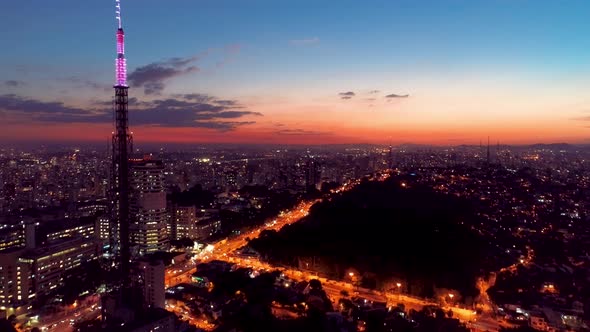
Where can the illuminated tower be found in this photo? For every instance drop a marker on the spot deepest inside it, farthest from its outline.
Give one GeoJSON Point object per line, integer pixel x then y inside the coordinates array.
{"type": "Point", "coordinates": [122, 146]}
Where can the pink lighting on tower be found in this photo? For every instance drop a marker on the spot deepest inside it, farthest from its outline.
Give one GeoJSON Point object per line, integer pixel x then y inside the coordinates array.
{"type": "Point", "coordinates": [120, 42]}
{"type": "Point", "coordinates": [120, 62]}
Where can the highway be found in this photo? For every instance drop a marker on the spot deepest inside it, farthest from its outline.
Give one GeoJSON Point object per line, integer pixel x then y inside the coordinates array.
{"type": "Point", "coordinates": [65, 322]}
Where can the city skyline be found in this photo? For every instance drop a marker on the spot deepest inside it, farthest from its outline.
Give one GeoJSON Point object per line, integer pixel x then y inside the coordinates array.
{"type": "Point", "coordinates": [445, 74]}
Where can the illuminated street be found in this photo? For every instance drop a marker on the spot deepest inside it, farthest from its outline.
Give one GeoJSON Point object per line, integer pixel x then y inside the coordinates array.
{"type": "Point", "coordinates": [223, 250]}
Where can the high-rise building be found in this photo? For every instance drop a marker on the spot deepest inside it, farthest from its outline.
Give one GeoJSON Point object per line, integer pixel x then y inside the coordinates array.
{"type": "Point", "coordinates": [102, 228]}
{"type": "Point", "coordinates": [49, 263]}
{"type": "Point", "coordinates": [11, 236]}
{"type": "Point", "coordinates": [313, 174]}
{"type": "Point", "coordinates": [26, 273]}
{"type": "Point", "coordinates": [17, 235]}
{"type": "Point", "coordinates": [151, 276]}
{"type": "Point", "coordinates": [148, 216]}
{"type": "Point", "coordinates": [183, 221]}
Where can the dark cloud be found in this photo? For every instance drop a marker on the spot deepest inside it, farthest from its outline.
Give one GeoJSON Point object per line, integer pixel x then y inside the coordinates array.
{"type": "Point", "coordinates": [80, 82]}
{"type": "Point", "coordinates": [197, 97]}
{"type": "Point", "coordinates": [14, 103]}
{"type": "Point", "coordinates": [204, 98]}
{"type": "Point", "coordinates": [132, 102]}
{"type": "Point", "coordinates": [222, 125]}
{"type": "Point", "coordinates": [346, 95]}
{"type": "Point", "coordinates": [393, 95]}
{"type": "Point", "coordinates": [13, 83]}
{"type": "Point", "coordinates": [153, 88]}
{"type": "Point", "coordinates": [228, 103]}
{"type": "Point", "coordinates": [193, 110]}
{"type": "Point", "coordinates": [297, 132]}
{"type": "Point", "coordinates": [181, 111]}
{"type": "Point", "coordinates": [152, 76]}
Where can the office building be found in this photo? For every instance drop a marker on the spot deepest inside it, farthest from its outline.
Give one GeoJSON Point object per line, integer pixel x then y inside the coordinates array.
{"type": "Point", "coordinates": [183, 222]}
{"type": "Point", "coordinates": [148, 231]}
{"type": "Point", "coordinates": [151, 280]}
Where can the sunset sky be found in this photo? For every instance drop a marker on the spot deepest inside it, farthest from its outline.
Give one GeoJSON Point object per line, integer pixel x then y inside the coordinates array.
{"type": "Point", "coordinates": [314, 72]}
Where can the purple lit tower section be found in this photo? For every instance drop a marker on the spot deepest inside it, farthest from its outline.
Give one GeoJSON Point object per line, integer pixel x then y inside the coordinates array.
{"type": "Point", "coordinates": [121, 63]}
{"type": "Point", "coordinates": [122, 146]}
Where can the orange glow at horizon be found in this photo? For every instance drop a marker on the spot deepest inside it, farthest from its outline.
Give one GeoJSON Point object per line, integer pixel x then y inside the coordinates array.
{"type": "Point", "coordinates": [269, 133]}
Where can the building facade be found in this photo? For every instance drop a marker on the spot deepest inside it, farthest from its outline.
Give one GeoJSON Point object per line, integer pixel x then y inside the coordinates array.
{"type": "Point", "coordinates": [148, 217]}
{"type": "Point", "coordinates": [151, 276]}
{"type": "Point", "coordinates": [26, 273]}
{"type": "Point", "coordinates": [183, 221]}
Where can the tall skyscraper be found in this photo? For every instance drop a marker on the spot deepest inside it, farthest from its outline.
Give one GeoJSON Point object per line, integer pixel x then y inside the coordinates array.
{"type": "Point", "coordinates": [148, 206]}
{"type": "Point", "coordinates": [121, 146]}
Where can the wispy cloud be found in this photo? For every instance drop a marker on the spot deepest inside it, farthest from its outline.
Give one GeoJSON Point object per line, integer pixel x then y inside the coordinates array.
{"type": "Point", "coordinates": [230, 52]}
{"type": "Point", "coordinates": [585, 118]}
{"type": "Point", "coordinates": [301, 132]}
{"type": "Point", "coordinates": [12, 102]}
{"type": "Point", "coordinates": [305, 41]}
{"type": "Point", "coordinates": [80, 82]}
{"type": "Point", "coordinates": [13, 83]}
{"type": "Point", "coordinates": [190, 110]}
{"type": "Point", "coordinates": [346, 95]}
{"type": "Point", "coordinates": [372, 92]}
{"type": "Point", "coordinates": [393, 95]}
{"type": "Point", "coordinates": [152, 77]}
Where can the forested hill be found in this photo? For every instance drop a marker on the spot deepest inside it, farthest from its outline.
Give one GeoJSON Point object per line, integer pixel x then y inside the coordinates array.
{"type": "Point", "coordinates": [388, 232]}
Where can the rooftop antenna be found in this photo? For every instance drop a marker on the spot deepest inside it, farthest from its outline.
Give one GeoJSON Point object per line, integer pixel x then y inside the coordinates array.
{"type": "Point", "coordinates": [118, 13]}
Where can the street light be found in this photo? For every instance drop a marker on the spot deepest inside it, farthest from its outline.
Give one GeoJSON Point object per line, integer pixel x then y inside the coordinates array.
{"type": "Point", "coordinates": [399, 290]}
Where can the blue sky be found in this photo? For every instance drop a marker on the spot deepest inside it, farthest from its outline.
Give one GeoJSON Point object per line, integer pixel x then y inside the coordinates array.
{"type": "Point", "coordinates": [299, 49]}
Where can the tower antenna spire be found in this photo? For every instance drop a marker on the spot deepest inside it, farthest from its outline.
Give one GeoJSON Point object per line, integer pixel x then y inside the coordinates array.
{"type": "Point", "coordinates": [121, 63]}
{"type": "Point", "coordinates": [118, 13]}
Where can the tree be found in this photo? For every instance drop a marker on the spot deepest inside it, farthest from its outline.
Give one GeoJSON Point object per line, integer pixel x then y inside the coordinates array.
{"type": "Point", "coordinates": [315, 284]}
{"type": "Point", "coordinates": [6, 326]}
